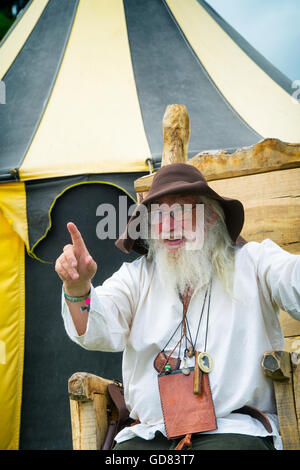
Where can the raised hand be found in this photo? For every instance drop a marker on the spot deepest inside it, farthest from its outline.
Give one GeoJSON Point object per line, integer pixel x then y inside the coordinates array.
{"type": "Point", "coordinates": [75, 266]}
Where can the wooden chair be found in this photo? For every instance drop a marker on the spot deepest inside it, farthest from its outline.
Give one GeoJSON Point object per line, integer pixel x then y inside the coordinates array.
{"type": "Point", "coordinates": [272, 212]}
{"type": "Point", "coordinates": [92, 409]}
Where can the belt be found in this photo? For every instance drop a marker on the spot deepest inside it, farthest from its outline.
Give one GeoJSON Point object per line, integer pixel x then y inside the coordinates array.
{"type": "Point", "coordinates": [257, 414]}
{"type": "Point", "coordinates": [246, 410]}
{"type": "Point", "coordinates": [116, 393]}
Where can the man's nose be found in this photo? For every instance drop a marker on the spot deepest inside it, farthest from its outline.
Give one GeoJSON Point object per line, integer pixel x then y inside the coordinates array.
{"type": "Point", "coordinates": [167, 223]}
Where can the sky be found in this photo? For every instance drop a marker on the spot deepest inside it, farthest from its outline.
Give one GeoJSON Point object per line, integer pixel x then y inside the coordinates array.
{"type": "Point", "coordinates": [271, 26]}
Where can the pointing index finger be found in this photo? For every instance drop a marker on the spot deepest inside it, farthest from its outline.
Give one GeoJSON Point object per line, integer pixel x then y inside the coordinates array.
{"type": "Point", "coordinates": [76, 236]}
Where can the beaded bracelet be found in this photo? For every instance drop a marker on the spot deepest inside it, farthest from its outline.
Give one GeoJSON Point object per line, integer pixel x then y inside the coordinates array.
{"type": "Point", "coordinates": [76, 299]}
{"type": "Point", "coordinates": [80, 299]}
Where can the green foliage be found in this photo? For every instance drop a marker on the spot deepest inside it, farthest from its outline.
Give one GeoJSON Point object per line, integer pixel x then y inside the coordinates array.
{"type": "Point", "coordinates": [6, 16]}
{"type": "Point", "coordinates": [5, 23]}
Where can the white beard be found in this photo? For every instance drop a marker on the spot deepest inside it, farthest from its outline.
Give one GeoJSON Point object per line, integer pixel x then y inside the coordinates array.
{"type": "Point", "coordinates": [194, 268]}
{"type": "Point", "coordinates": [177, 270]}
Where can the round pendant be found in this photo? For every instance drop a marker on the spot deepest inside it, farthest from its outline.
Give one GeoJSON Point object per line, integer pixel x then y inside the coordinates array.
{"type": "Point", "coordinates": [186, 371]}
{"type": "Point", "coordinates": [205, 362]}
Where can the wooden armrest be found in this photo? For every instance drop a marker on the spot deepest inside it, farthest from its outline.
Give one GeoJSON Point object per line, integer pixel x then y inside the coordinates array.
{"type": "Point", "coordinates": [281, 367]}
{"type": "Point", "coordinates": [89, 404]}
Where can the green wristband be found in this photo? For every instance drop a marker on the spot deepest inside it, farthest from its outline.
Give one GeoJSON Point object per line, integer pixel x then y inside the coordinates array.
{"type": "Point", "coordinates": [76, 299]}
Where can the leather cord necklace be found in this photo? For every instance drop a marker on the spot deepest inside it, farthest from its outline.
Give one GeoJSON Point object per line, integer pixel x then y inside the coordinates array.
{"type": "Point", "coordinates": [167, 363]}
{"type": "Point", "coordinates": [191, 353]}
{"type": "Point", "coordinates": [192, 350]}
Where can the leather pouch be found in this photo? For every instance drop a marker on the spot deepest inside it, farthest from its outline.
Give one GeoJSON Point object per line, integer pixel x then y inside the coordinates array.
{"type": "Point", "coordinates": [183, 411]}
{"type": "Point", "coordinates": [161, 360]}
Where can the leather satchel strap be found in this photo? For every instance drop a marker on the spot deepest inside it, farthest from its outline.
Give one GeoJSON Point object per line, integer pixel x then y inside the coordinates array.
{"type": "Point", "coordinates": [116, 393]}
{"type": "Point", "coordinates": [110, 435]}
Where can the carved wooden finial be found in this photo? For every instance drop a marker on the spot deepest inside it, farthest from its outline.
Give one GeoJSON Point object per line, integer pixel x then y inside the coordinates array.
{"type": "Point", "coordinates": [277, 365]}
{"type": "Point", "coordinates": [176, 132]}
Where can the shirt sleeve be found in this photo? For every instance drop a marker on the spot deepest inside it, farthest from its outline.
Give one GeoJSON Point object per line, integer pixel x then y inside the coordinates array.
{"type": "Point", "coordinates": [112, 309]}
{"type": "Point", "coordinates": [278, 272]}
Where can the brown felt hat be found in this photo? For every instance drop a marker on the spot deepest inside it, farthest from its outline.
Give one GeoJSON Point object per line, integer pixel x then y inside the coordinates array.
{"type": "Point", "coordinates": [183, 178]}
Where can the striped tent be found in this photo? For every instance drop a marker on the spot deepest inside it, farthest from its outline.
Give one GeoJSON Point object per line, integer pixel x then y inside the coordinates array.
{"type": "Point", "coordinates": [86, 85]}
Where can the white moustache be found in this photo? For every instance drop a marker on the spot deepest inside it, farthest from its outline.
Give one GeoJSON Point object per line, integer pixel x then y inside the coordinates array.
{"type": "Point", "coordinates": [187, 235]}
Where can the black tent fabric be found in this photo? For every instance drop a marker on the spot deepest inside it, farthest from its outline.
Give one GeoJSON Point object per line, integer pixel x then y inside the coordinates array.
{"type": "Point", "coordinates": [182, 80]}
{"type": "Point", "coordinates": [41, 197]}
{"type": "Point", "coordinates": [50, 356]}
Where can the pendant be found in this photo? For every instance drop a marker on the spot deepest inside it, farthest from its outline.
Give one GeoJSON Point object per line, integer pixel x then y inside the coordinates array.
{"type": "Point", "coordinates": [185, 370]}
{"type": "Point", "coordinates": [190, 352]}
{"type": "Point", "coordinates": [205, 362]}
{"type": "Point", "coordinates": [198, 375]}
{"type": "Point", "coordinates": [163, 360]}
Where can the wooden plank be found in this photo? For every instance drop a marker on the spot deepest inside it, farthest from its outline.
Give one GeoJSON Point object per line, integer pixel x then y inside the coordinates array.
{"type": "Point", "coordinates": [265, 156]}
{"type": "Point", "coordinates": [277, 366]}
{"type": "Point", "coordinates": [292, 345]}
{"type": "Point", "coordinates": [89, 400]}
{"type": "Point", "coordinates": [89, 420]}
{"type": "Point", "coordinates": [84, 425]}
{"type": "Point", "coordinates": [75, 424]}
{"type": "Point", "coordinates": [272, 205]}
{"type": "Point", "coordinates": [100, 410]}
{"type": "Point", "coordinates": [290, 326]}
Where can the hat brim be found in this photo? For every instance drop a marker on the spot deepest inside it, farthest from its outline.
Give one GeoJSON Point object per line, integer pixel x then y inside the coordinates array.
{"type": "Point", "coordinates": [233, 212]}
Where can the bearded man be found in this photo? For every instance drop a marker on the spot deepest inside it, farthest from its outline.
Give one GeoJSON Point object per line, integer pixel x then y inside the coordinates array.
{"type": "Point", "coordinates": [199, 307]}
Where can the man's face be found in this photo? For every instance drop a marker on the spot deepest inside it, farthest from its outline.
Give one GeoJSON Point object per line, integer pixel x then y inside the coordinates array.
{"type": "Point", "coordinates": [182, 243]}
{"type": "Point", "coordinates": [173, 220]}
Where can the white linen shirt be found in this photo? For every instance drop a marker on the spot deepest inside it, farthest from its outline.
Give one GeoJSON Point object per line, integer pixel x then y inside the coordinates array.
{"type": "Point", "coordinates": [132, 313]}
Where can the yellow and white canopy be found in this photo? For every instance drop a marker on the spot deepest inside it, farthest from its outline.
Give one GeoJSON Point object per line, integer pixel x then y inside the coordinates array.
{"type": "Point", "coordinates": [87, 83]}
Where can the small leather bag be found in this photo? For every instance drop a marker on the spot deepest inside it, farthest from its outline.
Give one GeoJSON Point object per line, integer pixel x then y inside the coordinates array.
{"type": "Point", "coordinates": [185, 412]}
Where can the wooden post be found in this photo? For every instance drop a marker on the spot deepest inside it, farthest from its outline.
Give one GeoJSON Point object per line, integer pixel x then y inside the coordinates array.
{"type": "Point", "coordinates": [176, 134]}
{"type": "Point", "coordinates": [89, 401]}
{"type": "Point", "coordinates": [295, 359]}
{"type": "Point", "coordinates": [278, 366]}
